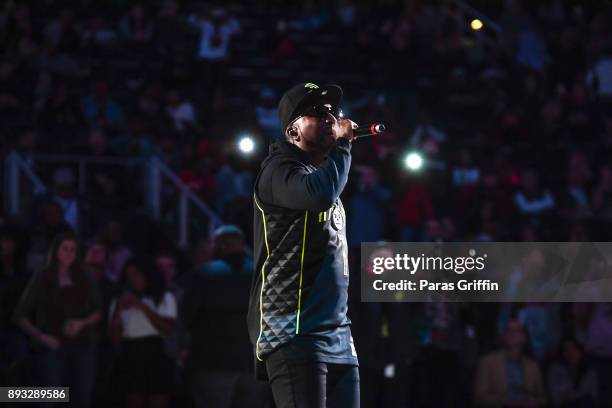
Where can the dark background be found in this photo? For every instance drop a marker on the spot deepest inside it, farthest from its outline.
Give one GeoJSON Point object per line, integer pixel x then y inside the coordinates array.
{"type": "Point", "coordinates": [514, 122]}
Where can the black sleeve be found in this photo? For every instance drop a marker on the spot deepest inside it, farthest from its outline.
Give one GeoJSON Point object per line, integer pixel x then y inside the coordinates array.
{"type": "Point", "coordinates": [289, 183]}
{"type": "Point", "coordinates": [29, 298]}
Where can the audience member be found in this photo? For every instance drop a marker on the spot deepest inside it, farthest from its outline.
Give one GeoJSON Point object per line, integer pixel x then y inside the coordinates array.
{"type": "Point", "coordinates": [508, 377]}
{"type": "Point", "coordinates": [496, 114]}
{"type": "Point", "coordinates": [75, 208]}
{"type": "Point", "coordinates": [140, 318]}
{"type": "Point", "coordinates": [229, 256]}
{"type": "Point", "coordinates": [59, 310]}
{"type": "Point", "coordinates": [119, 252]}
{"type": "Point", "coordinates": [571, 381]}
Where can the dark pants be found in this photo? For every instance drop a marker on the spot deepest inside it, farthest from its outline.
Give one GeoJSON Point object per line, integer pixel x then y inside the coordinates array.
{"type": "Point", "coordinates": [228, 389]}
{"type": "Point", "coordinates": [603, 367]}
{"type": "Point", "coordinates": [74, 366]}
{"type": "Point", "coordinates": [311, 384]}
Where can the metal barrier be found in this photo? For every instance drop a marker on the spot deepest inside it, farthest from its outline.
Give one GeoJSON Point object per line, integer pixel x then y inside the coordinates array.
{"type": "Point", "coordinates": [155, 173]}
{"type": "Point", "coordinates": [15, 165]}
{"type": "Point", "coordinates": [157, 170]}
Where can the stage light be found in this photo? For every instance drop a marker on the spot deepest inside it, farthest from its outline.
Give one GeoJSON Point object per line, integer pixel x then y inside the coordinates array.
{"type": "Point", "coordinates": [246, 144]}
{"type": "Point", "coordinates": [476, 24]}
{"type": "Point", "coordinates": [413, 161]}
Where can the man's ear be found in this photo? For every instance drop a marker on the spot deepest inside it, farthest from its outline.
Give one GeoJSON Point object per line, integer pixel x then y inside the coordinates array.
{"type": "Point", "coordinates": [292, 134]}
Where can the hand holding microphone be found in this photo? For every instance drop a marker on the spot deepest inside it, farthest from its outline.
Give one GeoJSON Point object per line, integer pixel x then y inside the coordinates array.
{"type": "Point", "coordinates": [348, 129]}
{"type": "Point", "coordinates": [368, 130]}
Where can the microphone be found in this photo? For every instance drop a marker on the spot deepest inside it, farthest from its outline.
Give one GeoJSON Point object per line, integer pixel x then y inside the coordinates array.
{"type": "Point", "coordinates": [369, 130]}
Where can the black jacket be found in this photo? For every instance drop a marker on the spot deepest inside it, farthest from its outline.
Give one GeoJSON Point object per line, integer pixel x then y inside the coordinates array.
{"type": "Point", "coordinates": [300, 286]}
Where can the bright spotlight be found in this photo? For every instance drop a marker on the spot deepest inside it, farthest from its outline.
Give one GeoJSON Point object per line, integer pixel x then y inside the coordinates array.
{"type": "Point", "coordinates": [246, 144]}
{"type": "Point", "coordinates": [476, 24]}
{"type": "Point", "coordinates": [413, 161]}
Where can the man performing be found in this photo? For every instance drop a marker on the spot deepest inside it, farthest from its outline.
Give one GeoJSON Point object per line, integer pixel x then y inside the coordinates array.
{"type": "Point", "coordinates": [297, 310]}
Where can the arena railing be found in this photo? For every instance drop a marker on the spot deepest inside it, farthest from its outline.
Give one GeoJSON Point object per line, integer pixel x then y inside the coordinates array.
{"type": "Point", "coordinates": [14, 166]}
{"type": "Point", "coordinates": [158, 179]}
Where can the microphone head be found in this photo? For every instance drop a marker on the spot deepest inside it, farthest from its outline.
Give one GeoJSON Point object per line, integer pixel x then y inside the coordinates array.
{"type": "Point", "coordinates": [379, 128]}
{"type": "Point", "coordinates": [369, 130]}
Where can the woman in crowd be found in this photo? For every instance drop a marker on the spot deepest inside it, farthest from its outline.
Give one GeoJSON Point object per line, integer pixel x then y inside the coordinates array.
{"type": "Point", "coordinates": [571, 381]}
{"type": "Point", "coordinates": [59, 311]}
{"type": "Point", "coordinates": [140, 318]}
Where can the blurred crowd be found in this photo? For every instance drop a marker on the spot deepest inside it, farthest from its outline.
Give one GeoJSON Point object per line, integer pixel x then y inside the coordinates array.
{"type": "Point", "coordinates": [514, 122]}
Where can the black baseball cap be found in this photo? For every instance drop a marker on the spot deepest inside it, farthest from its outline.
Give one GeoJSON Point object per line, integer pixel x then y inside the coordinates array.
{"type": "Point", "coordinates": [304, 96]}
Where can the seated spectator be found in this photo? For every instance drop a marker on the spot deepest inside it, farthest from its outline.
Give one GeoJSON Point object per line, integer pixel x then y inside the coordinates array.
{"type": "Point", "coordinates": [136, 27]}
{"type": "Point", "coordinates": [63, 33]}
{"type": "Point", "coordinates": [229, 256]}
{"type": "Point", "coordinates": [542, 321]}
{"type": "Point", "coordinates": [98, 34]}
{"type": "Point", "coordinates": [345, 12]}
{"type": "Point", "coordinates": [280, 44]}
{"type": "Point", "coordinates": [465, 173]}
{"type": "Point", "coordinates": [312, 17]}
{"type": "Point", "coordinates": [198, 176]}
{"type": "Point", "coordinates": [368, 202]}
{"type": "Point", "coordinates": [140, 318]}
{"type": "Point", "coordinates": [508, 377]}
{"type": "Point", "coordinates": [234, 183]}
{"type": "Point", "coordinates": [59, 311]}
{"type": "Point", "coordinates": [531, 199]}
{"type": "Point", "coordinates": [96, 264]}
{"type": "Point", "coordinates": [575, 201]}
{"type": "Point", "coordinates": [267, 115]}
{"type": "Point", "coordinates": [203, 252]}
{"type": "Point", "coordinates": [119, 253]}
{"type": "Point", "coordinates": [180, 110]}
{"type": "Point", "coordinates": [531, 52]}
{"type": "Point", "coordinates": [76, 208]}
{"type": "Point", "coordinates": [166, 263]}
{"type": "Point", "coordinates": [51, 223]}
{"type": "Point", "coordinates": [413, 210]}
{"type": "Point", "coordinates": [426, 136]}
{"type": "Point", "coordinates": [600, 75]}
{"type": "Point", "coordinates": [429, 140]}
{"type": "Point", "coordinates": [100, 109]}
{"type": "Point", "coordinates": [141, 140]}
{"type": "Point", "coordinates": [571, 381]}
{"type": "Point", "coordinates": [216, 31]}
{"type": "Point", "coordinates": [154, 119]}
{"type": "Point", "coordinates": [465, 178]}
